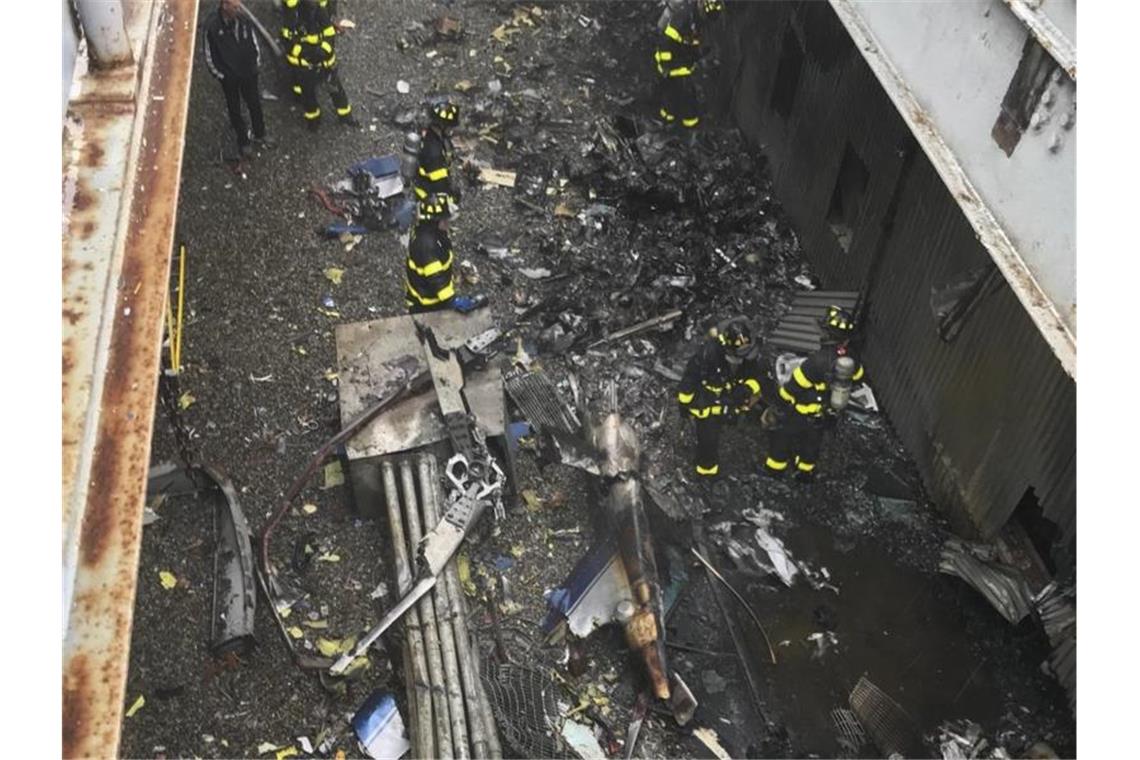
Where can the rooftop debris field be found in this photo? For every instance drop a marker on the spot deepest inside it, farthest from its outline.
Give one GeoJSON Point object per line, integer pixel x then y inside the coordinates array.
{"type": "Point", "coordinates": [607, 249]}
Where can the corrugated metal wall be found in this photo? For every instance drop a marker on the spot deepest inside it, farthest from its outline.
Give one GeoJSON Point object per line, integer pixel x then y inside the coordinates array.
{"type": "Point", "coordinates": [987, 416]}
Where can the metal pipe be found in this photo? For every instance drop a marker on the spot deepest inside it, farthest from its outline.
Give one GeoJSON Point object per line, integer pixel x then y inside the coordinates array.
{"type": "Point", "coordinates": [423, 732]}
{"type": "Point", "coordinates": [107, 42]}
{"type": "Point", "coordinates": [457, 649]}
{"type": "Point", "coordinates": [468, 649]}
{"type": "Point", "coordinates": [444, 741]}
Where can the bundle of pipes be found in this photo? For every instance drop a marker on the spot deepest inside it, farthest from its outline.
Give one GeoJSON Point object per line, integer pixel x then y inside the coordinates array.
{"type": "Point", "coordinates": [450, 715]}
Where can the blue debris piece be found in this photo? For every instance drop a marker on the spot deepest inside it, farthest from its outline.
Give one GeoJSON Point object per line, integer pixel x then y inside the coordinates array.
{"type": "Point", "coordinates": [380, 727]}
{"type": "Point", "coordinates": [381, 166]}
{"type": "Point", "coordinates": [517, 430]}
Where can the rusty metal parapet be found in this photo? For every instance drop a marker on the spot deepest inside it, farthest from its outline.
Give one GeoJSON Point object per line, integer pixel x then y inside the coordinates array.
{"type": "Point", "coordinates": [122, 160]}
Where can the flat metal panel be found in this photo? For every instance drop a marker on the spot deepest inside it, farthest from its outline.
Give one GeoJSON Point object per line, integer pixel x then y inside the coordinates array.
{"type": "Point", "coordinates": [363, 351]}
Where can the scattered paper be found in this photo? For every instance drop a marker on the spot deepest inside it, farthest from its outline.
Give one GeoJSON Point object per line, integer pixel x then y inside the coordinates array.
{"type": "Point", "coordinates": [267, 747]}
{"type": "Point", "coordinates": [334, 475]}
{"type": "Point", "coordinates": [403, 87]}
{"type": "Point", "coordinates": [306, 745]}
{"type": "Point", "coordinates": [309, 508]}
{"type": "Point", "coordinates": [328, 557]}
{"type": "Point", "coordinates": [332, 647]}
{"type": "Point", "coordinates": [316, 624]}
{"type": "Point", "coordinates": [464, 85]}
{"type": "Point", "coordinates": [185, 400]}
{"type": "Point", "coordinates": [136, 706]}
{"type": "Point", "coordinates": [334, 275]}
{"type": "Point", "coordinates": [537, 273]}
{"type": "Point", "coordinates": [287, 752]}
{"type": "Point", "coordinates": [167, 579]}
{"type": "Point", "coordinates": [531, 500]}
{"type": "Point", "coordinates": [296, 632]}
{"type": "Point", "coordinates": [463, 568]}
{"type": "Point", "coordinates": [709, 738]}
{"type": "Point", "coordinates": [345, 23]}
{"type": "Point", "coordinates": [497, 177]}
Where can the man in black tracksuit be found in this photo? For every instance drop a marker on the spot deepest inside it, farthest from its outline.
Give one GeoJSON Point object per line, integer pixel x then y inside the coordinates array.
{"type": "Point", "coordinates": [232, 56]}
{"type": "Point", "coordinates": [309, 29]}
{"type": "Point", "coordinates": [436, 152]}
{"type": "Point", "coordinates": [721, 379]}
{"type": "Point", "coordinates": [805, 412]}
{"type": "Point", "coordinates": [430, 284]}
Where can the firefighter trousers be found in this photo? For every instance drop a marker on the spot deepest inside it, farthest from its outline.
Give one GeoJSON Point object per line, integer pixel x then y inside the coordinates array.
{"type": "Point", "coordinates": [236, 90]}
{"type": "Point", "coordinates": [794, 445]}
{"type": "Point", "coordinates": [679, 103]}
{"type": "Point", "coordinates": [708, 442]}
{"type": "Point", "coordinates": [309, 81]}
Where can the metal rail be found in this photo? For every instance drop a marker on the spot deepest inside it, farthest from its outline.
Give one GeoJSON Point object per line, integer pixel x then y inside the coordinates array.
{"type": "Point", "coordinates": [122, 163]}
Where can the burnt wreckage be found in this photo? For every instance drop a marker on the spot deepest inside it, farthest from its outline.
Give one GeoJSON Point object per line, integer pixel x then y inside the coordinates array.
{"type": "Point", "coordinates": [518, 485]}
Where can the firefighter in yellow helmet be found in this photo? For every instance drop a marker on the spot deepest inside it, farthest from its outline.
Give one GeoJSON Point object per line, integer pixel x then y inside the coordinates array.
{"type": "Point", "coordinates": [722, 379]}
{"type": "Point", "coordinates": [430, 281]}
{"type": "Point", "coordinates": [803, 411]}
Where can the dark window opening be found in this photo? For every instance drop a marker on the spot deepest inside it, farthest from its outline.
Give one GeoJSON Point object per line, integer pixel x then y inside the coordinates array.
{"type": "Point", "coordinates": [1043, 532]}
{"type": "Point", "coordinates": [787, 74]}
{"type": "Point", "coordinates": [847, 198]}
{"type": "Point", "coordinates": [826, 41]}
{"type": "Point", "coordinates": [1024, 93]}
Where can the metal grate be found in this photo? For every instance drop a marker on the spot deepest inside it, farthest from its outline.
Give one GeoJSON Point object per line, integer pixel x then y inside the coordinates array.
{"type": "Point", "coordinates": [891, 728]}
{"type": "Point", "coordinates": [799, 328]}
{"type": "Point", "coordinates": [852, 738]}
{"type": "Point", "coordinates": [540, 403]}
{"type": "Point", "coordinates": [524, 701]}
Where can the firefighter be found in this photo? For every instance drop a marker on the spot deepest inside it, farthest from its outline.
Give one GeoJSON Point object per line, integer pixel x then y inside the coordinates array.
{"type": "Point", "coordinates": [676, 59]}
{"type": "Point", "coordinates": [436, 153]}
{"type": "Point", "coordinates": [310, 51]}
{"type": "Point", "coordinates": [429, 283]}
{"type": "Point", "coordinates": [722, 379]}
{"type": "Point", "coordinates": [232, 56]}
{"type": "Point", "coordinates": [805, 410]}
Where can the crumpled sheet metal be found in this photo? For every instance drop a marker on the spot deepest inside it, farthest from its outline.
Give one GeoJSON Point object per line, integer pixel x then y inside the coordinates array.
{"type": "Point", "coordinates": [1004, 587]}
{"type": "Point", "coordinates": [235, 587]}
{"type": "Point", "coordinates": [1058, 613]}
{"type": "Point", "coordinates": [589, 597]}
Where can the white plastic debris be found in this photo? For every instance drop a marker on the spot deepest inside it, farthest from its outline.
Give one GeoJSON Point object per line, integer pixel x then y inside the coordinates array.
{"type": "Point", "coordinates": [778, 555]}
{"type": "Point", "coordinates": [581, 738]}
{"type": "Point", "coordinates": [380, 727]}
{"type": "Point", "coordinates": [403, 87]}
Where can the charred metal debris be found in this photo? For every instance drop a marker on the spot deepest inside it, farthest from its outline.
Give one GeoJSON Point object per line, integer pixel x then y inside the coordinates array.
{"type": "Point", "coordinates": [624, 247]}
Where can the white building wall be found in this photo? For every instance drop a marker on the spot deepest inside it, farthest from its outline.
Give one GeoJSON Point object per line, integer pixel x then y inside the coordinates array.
{"type": "Point", "coordinates": [957, 58]}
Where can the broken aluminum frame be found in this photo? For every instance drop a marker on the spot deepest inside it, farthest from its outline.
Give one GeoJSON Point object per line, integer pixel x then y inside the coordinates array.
{"type": "Point", "coordinates": [235, 589]}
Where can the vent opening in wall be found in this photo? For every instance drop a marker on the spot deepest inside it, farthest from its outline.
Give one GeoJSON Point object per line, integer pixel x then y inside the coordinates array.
{"type": "Point", "coordinates": [847, 198]}
{"type": "Point", "coordinates": [1042, 532]}
{"type": "Point", "coordinates": [787, 74]}
{"type": "Point", "coordinates": [1024, 94]}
